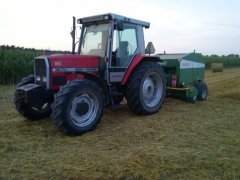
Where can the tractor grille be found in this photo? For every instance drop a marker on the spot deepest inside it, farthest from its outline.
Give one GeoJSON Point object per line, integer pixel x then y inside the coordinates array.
{"type": "Point", "coordinates": [40, 71]}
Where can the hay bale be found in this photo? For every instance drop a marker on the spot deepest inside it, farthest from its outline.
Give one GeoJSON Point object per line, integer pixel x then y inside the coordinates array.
{"type": "Point", "coordinates": [217, 67]}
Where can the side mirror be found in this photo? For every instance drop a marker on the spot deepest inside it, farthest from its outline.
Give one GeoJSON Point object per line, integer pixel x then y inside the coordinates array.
{"type": "Point", "coordinates": [119, 26]}
{"type": "Point", "coordinates": [150, 48]}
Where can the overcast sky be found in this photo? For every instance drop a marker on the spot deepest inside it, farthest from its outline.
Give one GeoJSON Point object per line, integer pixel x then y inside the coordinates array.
{"type": "Point", "coordinates": [208, 26]}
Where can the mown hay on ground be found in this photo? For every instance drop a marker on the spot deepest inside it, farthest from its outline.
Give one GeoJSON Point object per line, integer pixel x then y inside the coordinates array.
{"type": "Point", "coordinates": [182, 141]}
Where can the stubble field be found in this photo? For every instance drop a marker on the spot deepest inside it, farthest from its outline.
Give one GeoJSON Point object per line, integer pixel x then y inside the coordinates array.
{"type": "Point", "coordinates": [181, 141]}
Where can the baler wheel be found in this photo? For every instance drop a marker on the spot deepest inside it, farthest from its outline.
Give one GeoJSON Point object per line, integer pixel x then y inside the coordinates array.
{"type": "Point", "coordinates": [30, 111]}
{"type": "Point", "coordinates": [146, 88]}
{"type": "Point", "coordinates": [202, 91]}
{"type": "Point", "coordinates": [78, 107]}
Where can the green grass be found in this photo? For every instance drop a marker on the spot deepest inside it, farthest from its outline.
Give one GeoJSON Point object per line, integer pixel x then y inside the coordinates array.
{"type": "Point", "coordinates": [182, 141]}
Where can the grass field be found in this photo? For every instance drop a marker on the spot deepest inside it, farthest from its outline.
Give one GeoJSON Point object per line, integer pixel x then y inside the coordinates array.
{"type": "Point", "coordinates": [182, 141]}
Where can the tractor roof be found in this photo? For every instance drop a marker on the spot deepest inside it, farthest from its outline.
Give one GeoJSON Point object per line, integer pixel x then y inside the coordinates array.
{"type": "Point", "coordinates": [111, 17]}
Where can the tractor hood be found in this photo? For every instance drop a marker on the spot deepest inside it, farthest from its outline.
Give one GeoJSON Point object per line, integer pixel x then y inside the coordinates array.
{"type": "Point", "coordinates": [73, 62]}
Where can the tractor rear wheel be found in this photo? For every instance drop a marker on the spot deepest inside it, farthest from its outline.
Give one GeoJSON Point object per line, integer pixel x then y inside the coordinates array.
{"type": "Point", "coordinates": [202, 91]}
{"type": "Point", "coordinates": [78, 107]}
{"type": "Point", "coordinates": [30, 111]}
{"type": "Point", "coordinates": [146, 88]}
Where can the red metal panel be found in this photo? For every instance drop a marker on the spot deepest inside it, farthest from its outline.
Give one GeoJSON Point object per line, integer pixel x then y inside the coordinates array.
{"type": "Point", "coordinates": [73, 61]}
{"type": "Point", "coordinates": [69, 61]}
{"type": "Point", "coordinates": [69, 77]}
{"type": "Point", "coordinates": [134, 63]}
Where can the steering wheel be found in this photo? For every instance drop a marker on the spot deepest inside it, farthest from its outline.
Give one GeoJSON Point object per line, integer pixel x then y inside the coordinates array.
{"type": "Point", "coordinates": [130, 48]}
{"type": "Point", "coordinates": [99, 45]}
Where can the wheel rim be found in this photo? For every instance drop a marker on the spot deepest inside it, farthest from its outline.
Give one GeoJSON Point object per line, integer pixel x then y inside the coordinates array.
{"type": "Point", "coordinates": [152, 90]}
{"type": "Point", "coordinates": [193, 99]}
{"type": "Point", "coordinates": [204, 93]}
{"type": "Point", "coordinates": [84, 109]}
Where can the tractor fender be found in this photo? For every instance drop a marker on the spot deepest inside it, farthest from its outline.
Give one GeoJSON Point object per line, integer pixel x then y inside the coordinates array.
{"type": "Point", "coordinates": [135, 62]}
{"type": "Point", "coordinates": [101, 83]}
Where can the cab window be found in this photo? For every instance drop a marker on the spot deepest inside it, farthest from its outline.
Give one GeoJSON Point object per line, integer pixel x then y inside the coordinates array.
{"type": "Point", "coordinates": [94, 40]}
{"type": "Point", "coordinates": [124, 46]}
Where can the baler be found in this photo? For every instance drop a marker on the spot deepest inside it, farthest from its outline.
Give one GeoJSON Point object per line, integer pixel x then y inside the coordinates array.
{"type": "Point", "coordinates": [185, 75]}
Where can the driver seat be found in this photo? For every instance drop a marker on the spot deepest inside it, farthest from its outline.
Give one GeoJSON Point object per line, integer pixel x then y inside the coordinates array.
{"type": "Point", "coordinates": [123, 53]}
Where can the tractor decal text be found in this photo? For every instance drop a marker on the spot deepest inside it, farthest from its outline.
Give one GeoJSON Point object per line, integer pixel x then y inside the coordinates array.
{"type": "Point", "coordinates": [73, 69]}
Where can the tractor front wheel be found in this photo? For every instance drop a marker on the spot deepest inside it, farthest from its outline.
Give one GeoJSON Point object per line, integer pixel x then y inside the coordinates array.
{"type": "Point", "coordinates": [78, 107]}
{"type": "Point", "coordinates": [146, 88]}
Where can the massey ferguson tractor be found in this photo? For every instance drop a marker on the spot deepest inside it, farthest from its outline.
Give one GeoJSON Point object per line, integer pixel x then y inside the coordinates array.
{"type": "Point", "coordinates": [111, 64]}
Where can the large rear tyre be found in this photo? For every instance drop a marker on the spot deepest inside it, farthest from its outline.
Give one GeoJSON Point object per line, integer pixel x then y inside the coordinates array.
{"type": "Point", "coordinates": [78, 107]}
{"type": "Point", "coordinates": [146, 88]}
{"type": "Point", "coordinates": [30, 111]}
{"type": "Point", "coordinates": [202, 91]}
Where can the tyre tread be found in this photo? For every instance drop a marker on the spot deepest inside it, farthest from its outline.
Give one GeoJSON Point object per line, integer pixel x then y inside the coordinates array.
{"type": "Point", "coordinates": [59, 105]}
{"type": "Point", "coordinates": [133, 85]}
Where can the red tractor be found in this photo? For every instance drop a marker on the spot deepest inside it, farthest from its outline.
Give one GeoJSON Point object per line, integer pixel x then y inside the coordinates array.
{"type": "Point", "coordinates": [110, 64]}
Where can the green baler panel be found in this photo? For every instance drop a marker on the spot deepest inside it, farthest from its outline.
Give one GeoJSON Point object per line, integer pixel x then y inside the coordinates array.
{"type": "Point", "coordinates": [170, 63]}
{"type": "Point", "coordinates": [191, 69]}
{"type": "Point", "coordinates": [171, 67]}
{"type": "Point", "coordinates": [188, 76]}
{"type": "Point", "coordinates": [188, 68]}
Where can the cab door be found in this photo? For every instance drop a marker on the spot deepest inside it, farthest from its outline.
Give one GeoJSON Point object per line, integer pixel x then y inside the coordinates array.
{"type": "Point", "coordinates": [124, 48]}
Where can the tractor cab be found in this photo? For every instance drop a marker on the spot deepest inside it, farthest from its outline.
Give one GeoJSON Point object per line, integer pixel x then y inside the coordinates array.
{"type": "Point", "coordinates": [115, 39]}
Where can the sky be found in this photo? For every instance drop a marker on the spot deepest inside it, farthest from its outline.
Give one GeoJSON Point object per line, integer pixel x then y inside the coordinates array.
{"type": "Point", "coordinates": [176, 26]}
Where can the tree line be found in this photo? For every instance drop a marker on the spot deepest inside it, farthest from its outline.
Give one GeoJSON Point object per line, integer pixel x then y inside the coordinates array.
{"type": "Point", "coordinates": [230, 60]}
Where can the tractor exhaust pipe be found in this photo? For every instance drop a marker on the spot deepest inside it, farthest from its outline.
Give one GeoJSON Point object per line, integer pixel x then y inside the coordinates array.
{"type": "Point", "coordinates": [73, 35]}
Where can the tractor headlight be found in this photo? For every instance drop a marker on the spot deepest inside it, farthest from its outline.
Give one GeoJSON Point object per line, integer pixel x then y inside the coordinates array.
{"type": "Point", "coordinates": [38, 78]}
{"type": "Point", "coordinates": [44, 79]}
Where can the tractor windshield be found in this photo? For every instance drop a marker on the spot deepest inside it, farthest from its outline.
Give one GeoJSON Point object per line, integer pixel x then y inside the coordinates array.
{"type": "Point", "coordinates": [94, 40]}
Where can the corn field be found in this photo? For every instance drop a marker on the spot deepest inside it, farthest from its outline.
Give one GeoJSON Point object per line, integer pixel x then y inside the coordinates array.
{"type": "Point", "coordinates": [17, 62]}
